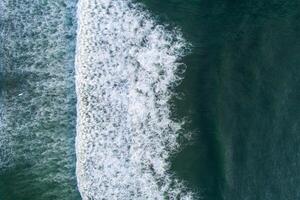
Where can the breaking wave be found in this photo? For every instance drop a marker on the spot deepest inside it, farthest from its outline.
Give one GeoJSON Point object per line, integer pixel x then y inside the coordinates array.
{"type": "Point", "coordinates": [126, 65]}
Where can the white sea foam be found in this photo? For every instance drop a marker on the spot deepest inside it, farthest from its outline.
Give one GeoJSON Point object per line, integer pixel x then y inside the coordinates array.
{"type": "Point", "coordinates": [125, 66]}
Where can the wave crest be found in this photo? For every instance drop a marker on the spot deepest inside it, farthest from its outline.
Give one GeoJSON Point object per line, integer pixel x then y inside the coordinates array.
{"type": "Point", "coordinates": [125, 67]}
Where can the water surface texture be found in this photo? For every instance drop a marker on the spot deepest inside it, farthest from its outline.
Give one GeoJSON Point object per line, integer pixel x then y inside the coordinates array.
{"type": "Point", "coordinates": [241, 92]}
{"type": "Point", "coordinates": [141, 90]}
{"type": "Point", "coordinates": [125, 67]}
{"type": "Point", "coordinates": [37, 102]}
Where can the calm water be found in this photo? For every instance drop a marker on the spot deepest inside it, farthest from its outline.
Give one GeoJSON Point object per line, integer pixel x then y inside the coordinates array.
{"type": "Point", "coordinates": [240, 98]}
{"type": "Point", "coordinates": [241, 93]}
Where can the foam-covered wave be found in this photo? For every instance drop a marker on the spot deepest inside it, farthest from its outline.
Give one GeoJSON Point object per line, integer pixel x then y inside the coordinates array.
{"type": "Point", "coordinates": [125, 67]}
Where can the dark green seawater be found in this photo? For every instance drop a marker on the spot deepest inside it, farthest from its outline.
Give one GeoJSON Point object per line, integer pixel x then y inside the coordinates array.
{"type": "Point", "coordinates": [241, 94]}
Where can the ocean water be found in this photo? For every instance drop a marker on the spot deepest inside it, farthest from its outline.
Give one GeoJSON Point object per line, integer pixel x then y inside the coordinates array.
{"type": "Point", "coordinates": [149, 99]}
{"type": "Point", "coordinates": [241, 93]}
{"type": "Point", "coordinates": [38, 113]}
{"type": "Point", "coordinates": [125, 67]}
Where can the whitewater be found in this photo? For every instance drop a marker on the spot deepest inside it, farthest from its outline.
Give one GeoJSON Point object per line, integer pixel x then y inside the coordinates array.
{"type": "Point", "coordinates": [126, 65]}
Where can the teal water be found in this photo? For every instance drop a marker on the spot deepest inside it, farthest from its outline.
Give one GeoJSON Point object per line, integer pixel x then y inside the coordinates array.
{"type": "Point", "coordinates": [241, 94]}
{"type": "Point", "coordinates": [240, 98]}
{"type": "Point", "coordinates": [37, 130]}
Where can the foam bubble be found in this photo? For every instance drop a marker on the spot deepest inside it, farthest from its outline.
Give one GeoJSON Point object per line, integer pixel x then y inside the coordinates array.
{"type": "Point", "coordinates": [125, 66]}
